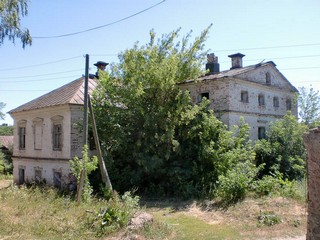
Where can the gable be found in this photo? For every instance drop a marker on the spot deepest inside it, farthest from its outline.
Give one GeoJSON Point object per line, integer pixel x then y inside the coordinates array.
{"type": "Point", "coordinates": [267, 74]}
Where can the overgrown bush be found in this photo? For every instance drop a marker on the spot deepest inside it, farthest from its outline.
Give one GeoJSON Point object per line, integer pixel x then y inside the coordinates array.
{"type": "Point", "coordinates": [237, 182]}
{"type": "Point", "coordinates": [117, 213]}
{"type": "Point", "coordinates": [86, 165]}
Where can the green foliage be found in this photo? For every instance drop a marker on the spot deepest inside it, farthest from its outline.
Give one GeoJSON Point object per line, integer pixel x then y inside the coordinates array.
{"type": "Point", "coordinates": [117, 214]}
{"type": "Point", "coordinates": [234, 185]}
{"type": "Point", "coordinates": [1, 163]}
{"type": "Point", "coordinates": [309, 106]}
{"type": "Point", "coordinates": [6, 130]}
{"type": "Point", "coordinates": [2, 105]}
{"type": "Point", "coordinates": [268, 218]}
{"type": "Point", "coordinates": [11, 12]}
{"type": "Point", "coordinates": [87, 165]}
{"type": "Point", "coordinates": [283, 151]}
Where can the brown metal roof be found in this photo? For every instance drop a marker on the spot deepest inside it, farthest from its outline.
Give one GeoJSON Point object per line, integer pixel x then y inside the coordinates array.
{"type": "Point", "coordinates": [6, 141]}
{"type": "Point", "coordinates": [71, 93]}
{"type": "Point", "coordinates": [236, 71]}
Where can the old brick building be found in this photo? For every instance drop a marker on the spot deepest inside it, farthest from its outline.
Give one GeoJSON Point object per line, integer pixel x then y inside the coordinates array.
{"type": "Point", "coordinates": [259, 93]}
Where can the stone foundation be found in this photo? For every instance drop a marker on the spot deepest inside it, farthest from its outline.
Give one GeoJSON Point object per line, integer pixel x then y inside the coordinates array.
{"type": "Point", "coordinates": [312, 143]}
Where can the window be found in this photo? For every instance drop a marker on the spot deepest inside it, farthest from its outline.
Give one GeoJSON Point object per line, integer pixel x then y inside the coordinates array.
{"type": "Point", "coordinates": [57, 179]}
{"type": "Point", "coordinates": [261, 132]}
{"type": "Point", "coordinates": [57, 133]}
{"type": "Point", "coordinates": [37, 175]}
{"type": "Point", "coordinates": [268, 79]}
{"type": "Point", "coordinates": [37, 133]}
{"type": "Point", "coordinates": [21, 175]}
{"type": "Point", "coordinates": [244, 96]}
{"type": "Point", "coordinates": [22, 133]}
{"type": "Point", "coordinates": [288, 104]}
{"type": "Point", "coordinates": [203, 95]}
{"type": "Point", "coordinates": [57, 137]}
{"type": "Point", "coordinates": [275, 101]}
{"type": "Point", "coordinates": [22, 137]}
{"type": "Point", "coordinates": [261, 100]}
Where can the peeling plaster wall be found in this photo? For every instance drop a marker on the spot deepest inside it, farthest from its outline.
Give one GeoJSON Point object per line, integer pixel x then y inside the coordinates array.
{"type": "Point", "coordinates": [225, 98]}
{"type": "Point", "coordinates": [312, 143]}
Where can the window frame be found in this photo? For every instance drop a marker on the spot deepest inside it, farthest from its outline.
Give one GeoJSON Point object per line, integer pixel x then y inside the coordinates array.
{"type": "Point", "coordinates": [57, 133]}
{"type": "Point", "coordinates": [244, 96]}
{"type": "Point", "coordinates": [276, 102]}
{"type": "Point", "coordinates": [268, 78]}
{"type": "Point", "coordinates": [22, 134]}
{"type": "Point", "coordinates": [261, 100]}
{"type": "Point", "coordinates": [288, 104]}
{"type": "Point", "coordinates": [261, 132]}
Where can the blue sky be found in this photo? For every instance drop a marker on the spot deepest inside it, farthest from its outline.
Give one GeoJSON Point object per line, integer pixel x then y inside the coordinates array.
{"type": "Point", "coordinates": [284, 31]}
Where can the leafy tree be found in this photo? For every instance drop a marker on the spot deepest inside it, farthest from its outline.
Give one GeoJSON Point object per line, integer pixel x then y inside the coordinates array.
{"type": "Point", "coordinates": [283, 151]}
{"type": "Point", "coordinates": [2, 105]}
{"type": "Point", "coordinates": [11, 12]}
{"type": "Point", "coordinates": [153, 138]}
{"type": "Point", "coordinates": [309, 106]}
{"type": "Point", "coordinates": [6, 130]}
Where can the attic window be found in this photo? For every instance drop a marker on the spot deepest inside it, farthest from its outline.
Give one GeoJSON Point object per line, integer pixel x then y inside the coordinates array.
{"type": "Point", "coordinates": [268, 78]}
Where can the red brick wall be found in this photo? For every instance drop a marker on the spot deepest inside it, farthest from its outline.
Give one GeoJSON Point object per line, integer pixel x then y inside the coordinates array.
{"type": "Point", "coordinates": [312, 143]}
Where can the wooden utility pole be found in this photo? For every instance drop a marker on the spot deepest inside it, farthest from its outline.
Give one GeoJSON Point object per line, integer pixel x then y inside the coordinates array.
{"type": "Point", "coordinates": [85, 126]}
{"type": "Point", "coordinates": [102, 166]}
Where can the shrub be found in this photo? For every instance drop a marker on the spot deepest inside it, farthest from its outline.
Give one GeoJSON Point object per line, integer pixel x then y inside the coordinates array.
{"type": "Point", "coordinates": [268, 218]}
{"type": "Point", "coordinates": [237, 182]}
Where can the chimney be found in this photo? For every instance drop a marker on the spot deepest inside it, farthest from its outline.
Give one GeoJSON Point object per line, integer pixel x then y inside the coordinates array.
{"type": "Point", "coordinates": [236, 60]}
{"type": "Point", "coordinates": [212, 64]}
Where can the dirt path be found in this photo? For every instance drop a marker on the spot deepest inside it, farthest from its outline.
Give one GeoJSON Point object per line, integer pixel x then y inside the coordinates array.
{"type": "Point", "coordinates": [5, 183]}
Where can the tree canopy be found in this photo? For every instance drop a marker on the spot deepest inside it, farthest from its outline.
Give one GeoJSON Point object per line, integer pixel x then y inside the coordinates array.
{"type": "Point", "coordinates": [11, 12]}
{"type": "Point", "coordinates": [309, 106]}
{"type": "Point", "coordinates": [153, 137]}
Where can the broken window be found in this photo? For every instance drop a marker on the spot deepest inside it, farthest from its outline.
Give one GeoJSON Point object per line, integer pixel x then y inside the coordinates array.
{"type": "Point", "coordinates": [244, 96]}
{"type": "Point", "coordinates": [203, 95]}
{"type": "Point", "coordinates": [261, 100]}
{"type": "Point", "coordinates": [275, 101]}
{"type": "Point", "coordinates": [21, 175]}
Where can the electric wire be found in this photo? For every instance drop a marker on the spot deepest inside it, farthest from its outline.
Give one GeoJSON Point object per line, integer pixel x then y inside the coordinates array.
{"type": "Point", "coordinates": [102, 26]}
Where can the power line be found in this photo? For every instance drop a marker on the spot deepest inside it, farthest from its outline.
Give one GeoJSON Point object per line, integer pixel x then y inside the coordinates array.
{"type": "Point", "coordinates": [41, 75]}
{"type": "Point", "coordinates": [102, 26]}
{"type": "Point", "coordinates": [40, 64]}
{"type": "Point", "coordinates": [258, 48]}
{"type": "Point", "coordinates": [40, 80]}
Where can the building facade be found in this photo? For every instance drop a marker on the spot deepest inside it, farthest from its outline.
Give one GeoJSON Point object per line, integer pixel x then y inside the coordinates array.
{"type": "Point", "coordinates": [259, 93]}
{"type": "Point", "coordinates": [47, 135]}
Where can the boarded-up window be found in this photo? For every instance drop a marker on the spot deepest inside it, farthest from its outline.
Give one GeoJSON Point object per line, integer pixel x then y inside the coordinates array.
{"type": "Point", "coordinates": [37, 133]}
{"type": "Point", "coordinates": [244, 96]}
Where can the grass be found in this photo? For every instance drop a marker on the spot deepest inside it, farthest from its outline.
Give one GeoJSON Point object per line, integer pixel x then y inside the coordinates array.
{"type": "Point", "coordinates": [41, 213]}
